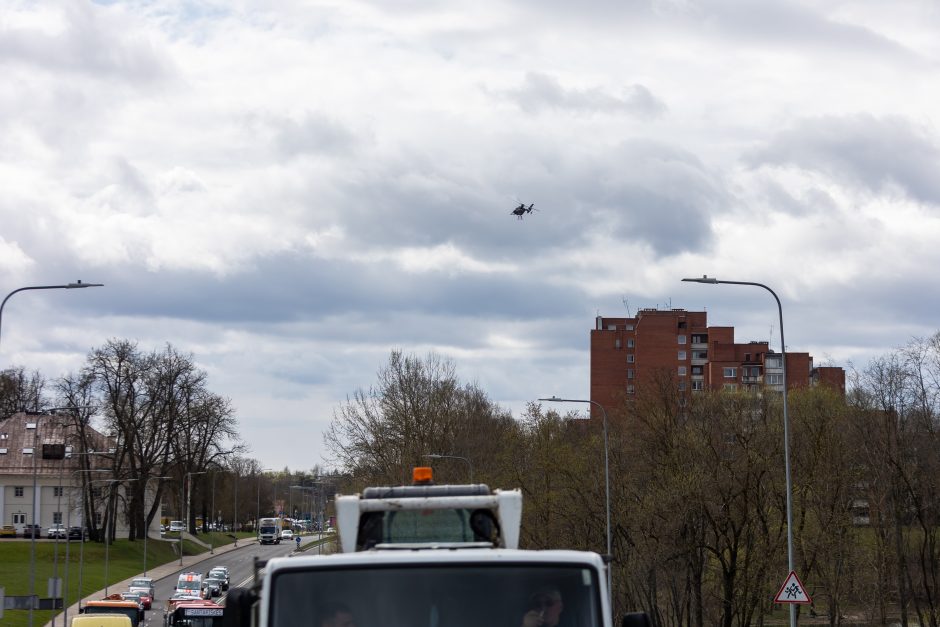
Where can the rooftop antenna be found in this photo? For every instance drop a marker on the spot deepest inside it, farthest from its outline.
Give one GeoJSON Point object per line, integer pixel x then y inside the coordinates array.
{"type": "Point", "coordinates": [626, 305]}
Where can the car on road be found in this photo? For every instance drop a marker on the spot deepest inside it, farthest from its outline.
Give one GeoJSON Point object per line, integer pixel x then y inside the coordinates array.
{"type": "Point", "coordinates": [7, 531]}
{"type": "Point", "coordinates": [287, 534]}
{"type": "Point", "coordinates": [176, 526]}
{"type": "Point", "coordinates": [218, 582]}
{"type": "Point", "coordinates": [221, 572]}
{"type": "Point", "coordinates": [137, 598]}
{"type": "Point", "coordinates": [56, 531]}
{"type": "Point", "coordinates": [211, 588]}
{"type": "Point", "coordinates": [143, 585]}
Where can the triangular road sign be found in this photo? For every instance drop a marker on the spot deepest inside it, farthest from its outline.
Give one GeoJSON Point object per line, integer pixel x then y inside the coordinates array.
{"type": "Point", "coordinates": [792, 591]}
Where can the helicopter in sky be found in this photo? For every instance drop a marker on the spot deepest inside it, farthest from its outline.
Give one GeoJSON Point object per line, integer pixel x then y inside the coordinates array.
{"type": "Point", "coordinates": [522, 210]}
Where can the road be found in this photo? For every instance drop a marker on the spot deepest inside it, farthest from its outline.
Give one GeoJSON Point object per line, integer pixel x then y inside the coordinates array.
{"type": "Point", "coordinates": [239, 560]}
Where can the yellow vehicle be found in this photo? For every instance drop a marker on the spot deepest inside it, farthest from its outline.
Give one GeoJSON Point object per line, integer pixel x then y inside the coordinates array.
{"type": "Point", "coordinates": [114, 605]}
{"type": "Point", "coordinates": [7, 531]}
{"type": "Point", "coordinates": [101, 620]}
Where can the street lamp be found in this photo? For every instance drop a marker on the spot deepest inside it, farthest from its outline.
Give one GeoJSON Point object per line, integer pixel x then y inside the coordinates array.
{"type": "Point", "coordinates": [81, 559]}
{"type": "Point", "coordinates": [187, 489]}
{"type": "Point", "coordinates": [436, 456]}
{"type": "Point", "coordinates": [146, 525]}
{"type": "Point", "coordinates": [69, 286]}
{"type": "Point", "coordinates": [786, 423]}
{"type": "Point", "coordinates": [555, 399]}
{"type": "Point", "coordinates": [258, 504]}
{"type": "Point", "coordinates": [107, 531]}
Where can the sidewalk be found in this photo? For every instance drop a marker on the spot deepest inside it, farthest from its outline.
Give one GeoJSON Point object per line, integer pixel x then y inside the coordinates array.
{"type": "Point", "coordinates": [156, 573]}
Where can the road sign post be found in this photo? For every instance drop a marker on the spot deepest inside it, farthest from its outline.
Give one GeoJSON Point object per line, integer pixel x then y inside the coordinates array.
{"type": "Point", "coordinates": [792, 591]}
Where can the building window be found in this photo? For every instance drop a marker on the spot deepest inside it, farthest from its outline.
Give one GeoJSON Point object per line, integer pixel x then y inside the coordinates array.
{"type": "Point", "coordinates": [28, 451]}
{"type": "Point", "coordinates": [4, 436]}
{"type": "Point", "coordinates": [631, 358]}
{"type": "Point", "coordinates": [18, 491]}
{"type": "Point", "coordinates": [699, 339]}
{"type": "Point", "coordinates": [629, 327]}
{"type": "Point", "coordinates": [697, 370]}
{"type": "Point", "coordinates": [731, 387]}
{"type": "Point", "coordinates": [19, 519]}
{"type": "Point", "coordinates": [699, 354]}
{"type": "Point", "coordinates": [682, 339]}
{"type": "Point", "coordinates": [57, 518]}
{"type": "Point", "coordinates": [58, 491]}
{"type": "Point", "coordinates": [773, 362]}
{"type": "Point", "coordinates": [682, 385]}
{"type": "Point", "coordinates": [729, 373]}
{"type": "Point", "coordinates": [698, 386]}
{"type": "Point", "coordinates": [631, 389]}
{"type": "Point", "coordinates": [681, 356]}
{"type": "Point", "coordinates": [682, 324]}
{"type": "Point", "coordinates": [629, 373]}
{"type": "Point", "coordinates": [630, 342]}
{"type": "Point", "coordinates": [681, 371]}
{"type": "Point", "coordinates": [775, 379]}
{"type": "Point", "coordinates": [616, 342]}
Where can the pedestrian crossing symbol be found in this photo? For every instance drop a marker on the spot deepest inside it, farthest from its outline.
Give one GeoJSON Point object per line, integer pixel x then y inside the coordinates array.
{"type": "Point", "coordinates": [792, 591]}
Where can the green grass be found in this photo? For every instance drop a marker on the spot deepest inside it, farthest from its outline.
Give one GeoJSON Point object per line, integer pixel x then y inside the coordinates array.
{"type": "Point", "coordinates": [125, 559]}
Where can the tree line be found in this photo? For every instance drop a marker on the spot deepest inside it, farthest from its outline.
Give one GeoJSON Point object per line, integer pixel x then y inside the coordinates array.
{"type": "Point", "coordinates": [698, 495]}
{"type": "Point", "coordinates": [162, 425]}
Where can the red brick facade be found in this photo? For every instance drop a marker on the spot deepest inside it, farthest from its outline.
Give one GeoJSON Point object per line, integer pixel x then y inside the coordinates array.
{"type": "Point", "coordinates": [677, 347]}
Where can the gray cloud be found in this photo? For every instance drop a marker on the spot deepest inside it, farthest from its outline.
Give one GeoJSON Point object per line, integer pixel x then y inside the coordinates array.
{"type": "Point", "coordinates": [541, 92]}
{"type": "Point", "coordinates": [861, 150]}
{"type": "Point", "coordinates": [94, 42]}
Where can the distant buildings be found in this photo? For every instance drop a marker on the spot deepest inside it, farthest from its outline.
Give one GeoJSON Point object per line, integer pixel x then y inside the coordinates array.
{"type": "Point", "coordinates": [37, 450]}
{"type": "Point", "coordinates": [629, 355]}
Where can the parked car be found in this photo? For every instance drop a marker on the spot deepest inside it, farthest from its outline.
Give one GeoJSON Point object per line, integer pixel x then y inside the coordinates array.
{"type": "Point", "coordinates": [56, 531]}
{"type": "Point", "coordinates": [32, 531]}
{"type": "Point", "coordinates": [7, 531]}
{"type": "Point", "coordinates": [77, 533]}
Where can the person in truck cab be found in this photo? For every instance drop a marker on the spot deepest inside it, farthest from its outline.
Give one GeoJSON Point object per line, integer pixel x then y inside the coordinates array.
{"type": "Point", "coordinates": [336, 615]}
{"type": "Point", "coordinates": [543, 609]}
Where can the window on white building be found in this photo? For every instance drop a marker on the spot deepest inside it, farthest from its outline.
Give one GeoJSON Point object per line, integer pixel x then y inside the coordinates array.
{"type": "Point", "coordinates": [18, 491]}
{"type": "Point", "coordinates": [56, 518]}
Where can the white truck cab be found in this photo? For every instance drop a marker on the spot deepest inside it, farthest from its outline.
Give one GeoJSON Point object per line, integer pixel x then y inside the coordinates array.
{"type": "Point", "coordinates": [428, 556]}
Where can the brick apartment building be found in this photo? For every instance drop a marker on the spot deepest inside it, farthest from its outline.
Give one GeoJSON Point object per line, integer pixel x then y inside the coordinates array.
{"type": "Point", "coordinates": [628, 354]}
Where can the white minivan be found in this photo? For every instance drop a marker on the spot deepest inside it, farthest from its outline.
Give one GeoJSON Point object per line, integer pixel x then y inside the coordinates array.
{"type": "Point", "coordinates": [176, 525]}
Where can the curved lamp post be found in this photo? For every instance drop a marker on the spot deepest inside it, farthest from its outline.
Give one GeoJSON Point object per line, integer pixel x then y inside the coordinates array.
{"type": "Point", "coordinates": [436, 456]}
{"type": "Point", "coordinates": [555, 399]}
{"type": "Point", "coordinates": [68, 286]}
{"type": "Point", "coordinates": [786, 422]}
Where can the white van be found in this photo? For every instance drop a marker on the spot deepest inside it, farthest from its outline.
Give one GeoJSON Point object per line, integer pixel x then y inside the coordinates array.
{"type": "Point", "coordinates": [176, 525]}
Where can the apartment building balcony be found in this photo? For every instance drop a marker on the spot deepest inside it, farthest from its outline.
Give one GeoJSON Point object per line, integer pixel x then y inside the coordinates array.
{"type": "Point", "coordinates": [756, 379]}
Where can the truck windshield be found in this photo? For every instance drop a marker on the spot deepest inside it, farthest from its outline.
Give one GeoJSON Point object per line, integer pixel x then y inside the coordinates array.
{"type": "Point", "coordinates": [442, 595]}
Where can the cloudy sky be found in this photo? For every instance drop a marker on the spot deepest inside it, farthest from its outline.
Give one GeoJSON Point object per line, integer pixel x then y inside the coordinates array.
{"type": "Point", "coordinates": [291, 189]}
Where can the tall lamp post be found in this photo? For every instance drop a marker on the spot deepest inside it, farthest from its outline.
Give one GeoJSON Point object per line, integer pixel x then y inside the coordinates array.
{"type": "Point", "coordinates": [188, 492]}
{"type": "Point", "coordinates": [258, 503]}
{"type": "Point", "coordinates": [146, 525]}
{"type": "Point", "coordinates": [68, 286]}
{"type": "Point", "coordinates": [68, 523]}
{"type": "Point", "coordinates": [467, 461]}
{"type": "Point", "coordinates": [786, 422]}
{"type": "Point", "coordinates": [555, 399]}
